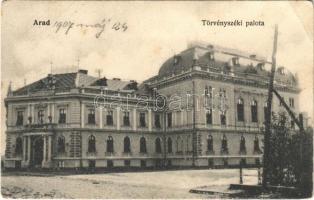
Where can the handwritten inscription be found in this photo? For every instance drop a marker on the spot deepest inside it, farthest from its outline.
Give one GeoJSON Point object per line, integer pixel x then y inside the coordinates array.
{"type": "Point", "coordinates": [67, 26]}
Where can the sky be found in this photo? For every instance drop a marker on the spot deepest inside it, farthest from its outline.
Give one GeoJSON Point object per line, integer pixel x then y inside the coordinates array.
{"type": "Point", "coordinates": [155, 31]}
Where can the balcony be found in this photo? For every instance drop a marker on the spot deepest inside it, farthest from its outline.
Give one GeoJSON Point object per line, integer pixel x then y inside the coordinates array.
{"type": "Point", "coordinates": [40, 126]}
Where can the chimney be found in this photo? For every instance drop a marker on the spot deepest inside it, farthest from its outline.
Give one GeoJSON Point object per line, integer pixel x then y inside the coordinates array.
{"type": "Point", "coordinates": [82, 71]}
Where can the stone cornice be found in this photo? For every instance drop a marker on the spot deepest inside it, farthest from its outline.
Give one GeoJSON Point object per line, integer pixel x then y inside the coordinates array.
{"type": "Point", "coordinates": [249, 81]}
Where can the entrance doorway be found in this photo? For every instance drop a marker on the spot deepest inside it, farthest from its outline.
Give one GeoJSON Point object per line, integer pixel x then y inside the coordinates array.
{"type": "Point", "coordinates": [37, 151]}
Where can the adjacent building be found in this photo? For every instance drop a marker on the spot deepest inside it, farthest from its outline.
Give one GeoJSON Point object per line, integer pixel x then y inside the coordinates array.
{"type": "Point", "coordinates": [205, 108]}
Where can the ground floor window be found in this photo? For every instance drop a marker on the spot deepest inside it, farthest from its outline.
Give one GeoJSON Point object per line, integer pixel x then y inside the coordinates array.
{"type": "Point", "coordinates": [18, 164]}
{"type": "Point", "coordinates": [92, 164]}
{"type": "Point", "coordinates": [109, 163]}
{"type": "Point", "coordinates": [127, 163]}
{"type": "Point", "coordinates": [243, 162]}
{"type": "Point", "coordinates": [143, 163]}
{"type": "Point", "coordinates": [61, 164]}
{"type": "Point", "coordinates": [210, 162]}
{"type": "Point", "coordinates": [225, 161]}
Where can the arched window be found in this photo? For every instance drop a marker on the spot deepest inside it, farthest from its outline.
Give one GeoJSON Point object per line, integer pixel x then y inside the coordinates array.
{"type": "Point", "coordinates": [256, 145]}
{"type": "Point", "coordinates": [169, 145]}
{"type": "Point", "coordinates": [143, 145]}
{"type": "Point", "coordinates": [254, 111]}
{"type": "Point", "coordinates": [91, 144]}
{"type": "Point", "coordinates": [110, 144]}
{"type": "Point", "coordinates": [158, 145]}
{"type": "Point", "coordinates": [242, 145]}
{"type": "Point", "coordinates": [127, 148]}
{"type": "Point", "coordinates": [224, 144]}
{"type": "Point", "coordinates": [18, 146]}
{"type": "Point", "coordinates": [210, 147]}
{"type": "Point", "coordinates": [240, 110]}
{"type": "Point", "coordinates": [61, 144]}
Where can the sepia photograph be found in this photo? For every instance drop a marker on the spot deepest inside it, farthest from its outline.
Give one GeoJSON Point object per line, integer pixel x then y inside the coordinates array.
{"type": "Point", "coordinates": [156, 99]}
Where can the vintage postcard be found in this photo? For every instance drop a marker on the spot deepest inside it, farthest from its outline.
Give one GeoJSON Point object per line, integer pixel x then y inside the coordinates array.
{"type": "Point", "coordinates": [156, 99]}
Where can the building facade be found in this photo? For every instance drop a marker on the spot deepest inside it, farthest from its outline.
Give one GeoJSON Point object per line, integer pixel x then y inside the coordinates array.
{"type": "Point", "coordinates": [205, 108]}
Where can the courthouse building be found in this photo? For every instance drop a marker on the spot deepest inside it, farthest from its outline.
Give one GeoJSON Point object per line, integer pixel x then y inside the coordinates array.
{"type": "Point", "coordinates": [205, 108]}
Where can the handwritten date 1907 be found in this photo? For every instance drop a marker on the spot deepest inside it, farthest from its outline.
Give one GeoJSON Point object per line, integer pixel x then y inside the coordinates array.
{"type": "Point", "coordinates": [66, 26]}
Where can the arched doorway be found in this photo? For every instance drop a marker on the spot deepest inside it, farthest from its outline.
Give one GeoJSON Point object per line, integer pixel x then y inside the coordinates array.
{"type": "Point", "coordinates": [37, 151]}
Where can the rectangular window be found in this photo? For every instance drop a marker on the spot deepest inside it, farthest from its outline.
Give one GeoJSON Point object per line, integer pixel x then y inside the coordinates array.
{"type": "Point", "coordinates": [223, 118]}
{"type": "Point", "coordinates": [142, 120]}
{"type": "Point", "coordinates": [169, 119]}
{"type": "Point", "coordinates": [291, 102]}
{"type": "Point", "coordinates": [126, 119]}
{"type": "Point", "coordinates": [19, 120]}
{"type": "Point", "coordinates": [280, 103]}
{"type": "Point", "coordinates": [157, 121]}
{"type": "Point", "coordinates": [91, 116]}
{"type": "Point", "coordinates": [127, 163]}
{"type": "Point", "coordinates": [209, 117]}
{"type": "Point", "coordinates": [109, 118]}
{"type": "Point", "coordinates": [40, 116]}
{"type": "Point", "coordinates": [62, 116]}
{"type": "Point", "coordinates": [254, 113]}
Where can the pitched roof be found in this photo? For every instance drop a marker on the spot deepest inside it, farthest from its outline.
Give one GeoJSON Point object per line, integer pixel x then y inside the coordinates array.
{"type": "Point", "coordinates": [72, 80]}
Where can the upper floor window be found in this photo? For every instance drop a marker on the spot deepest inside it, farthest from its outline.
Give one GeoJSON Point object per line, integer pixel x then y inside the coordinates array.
{"type": "Point", "coordinates": [209, 117]}
{"type": "Point", "coordinates": [62, 116]}
{"type": "Point", "coordinates": [189, 143]}
{"type": "Point", "coordinates": [222, 93]}
{"type": "Point", "coordinates": [158, 145]}
{"type": "Point", "coordinates": [292, 125]}
{"type": "Point", "coordinates": [254, 111]}
{"type": "Point", "coordinates": [169, 145]}
{"type": "Point", "coordinates": [109, 118]}
{"type": "Point", "coordinates": [20, 116]}
{"type": "Point", "coordinates": [235, 61]}
{"type": "Point", "coordinates": [223, 120]}
{"type": "Point", "coordinates": [143, 148]}
{"type": "Point", "coordinates": [208, 91]}
{"type": "Point", "coordinates": [169, 119]}
{"type": "Point", "coordinates": [91, 144]}
{"type": "Point", "coordinates": [242, 145]}
{"type": "Point", "coordinates": [91, 116]}
{"type": "Point", "coordinates": [157, 121]}
{"type": "Point", "coordinates": [142, 120]}
{"type": "Point", "coordinates": [210, 146]}
{"type": "Point", "coordinates": [126, 119]}
{"type": "Point", "coordinates": [61, 144]}
{"type": "Point", "coordinates": [127, 145]}
{"type": "Point", "coordinates": [110, 144]}
{"type": "Point", "coordinates": [256, 145]}
{"type": "Point", "coordinates": [291, 102]}
{"type": "Point", "coordinates": [41, 116]}
{"type": "Point", "coordinates": [280, 102]}
{"type": "Point", "coordinates": [240, 110]}
{"type": "Point", "coordinates": [224, 144]}
{"type": "Point", "coordinates": [179, 144]}
{"type": "Point", "coordinates": [18, 146]}
{"type": "Point", "coordinates": [211, 56]}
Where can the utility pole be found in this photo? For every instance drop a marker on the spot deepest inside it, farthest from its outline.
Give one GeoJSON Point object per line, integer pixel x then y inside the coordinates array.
{"type": "Point", "coordinates": [267, 147]}
{"type": "Point", "coordinates": [194, 136]}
